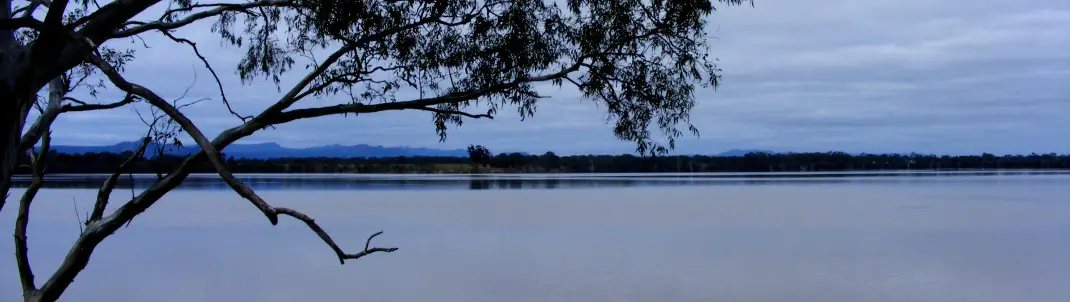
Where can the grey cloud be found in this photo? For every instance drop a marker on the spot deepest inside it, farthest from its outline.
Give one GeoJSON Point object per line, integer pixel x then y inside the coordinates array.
{"type": "Point", "coordinates": [895, 78]}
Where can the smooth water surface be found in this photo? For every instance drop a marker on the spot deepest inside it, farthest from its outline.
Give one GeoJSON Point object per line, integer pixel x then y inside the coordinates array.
{"type": "Point", "coordinates": [880, 238]}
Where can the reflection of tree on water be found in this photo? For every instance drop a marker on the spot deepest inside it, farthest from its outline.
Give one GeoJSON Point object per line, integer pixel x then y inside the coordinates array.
{"type": "Point", "coordinates": [478, 184]}
{"type": "Point", "coordinates": [551, 183]}
{"type": "Point", "coordinates": [501, 184]}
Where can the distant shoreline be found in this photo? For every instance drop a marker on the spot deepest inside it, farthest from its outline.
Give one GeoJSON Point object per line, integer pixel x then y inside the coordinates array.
{"type": "Point", "coordinates": [517, 163]}
{"type": "Point", "coordinates": [414, 181]}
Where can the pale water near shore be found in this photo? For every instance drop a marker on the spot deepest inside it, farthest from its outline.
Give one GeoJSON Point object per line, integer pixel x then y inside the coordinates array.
{"type": "Point", "coordinates": [946, 239]}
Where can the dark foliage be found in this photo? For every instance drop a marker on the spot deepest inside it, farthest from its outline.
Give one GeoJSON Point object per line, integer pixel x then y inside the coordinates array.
{"type": "Point", "coordinates": [640, 60]}
{"type": "Point", "coordinates": [479, 154]}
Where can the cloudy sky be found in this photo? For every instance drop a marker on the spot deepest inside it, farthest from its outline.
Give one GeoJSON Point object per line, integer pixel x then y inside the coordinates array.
{"type": "Point", "coordinates": [951, 76]}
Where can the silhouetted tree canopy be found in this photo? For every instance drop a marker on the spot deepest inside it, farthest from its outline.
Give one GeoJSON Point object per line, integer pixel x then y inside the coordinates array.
{"type": "Point", "coordinates": [479, 154]}
{"type": "Point", "coordinates": [642, 60]}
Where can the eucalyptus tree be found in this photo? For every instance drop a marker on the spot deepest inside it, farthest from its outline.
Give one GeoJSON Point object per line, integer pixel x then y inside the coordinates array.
{"type": "Point", "coordinates": [641, 60]}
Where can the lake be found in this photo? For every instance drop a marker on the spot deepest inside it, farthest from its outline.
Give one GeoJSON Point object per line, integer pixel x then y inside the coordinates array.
{"type": "Point", "coordinates": [889, 236]}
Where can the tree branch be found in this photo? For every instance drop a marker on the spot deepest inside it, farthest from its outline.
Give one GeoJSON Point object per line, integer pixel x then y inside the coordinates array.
{"type": "Point", "coordinates": [30, 9]}
{"type": "Point", "coordinates": [342, 255]}
{"type": "Point", "coordinates": [356, 78]}
{"type": "Point", "coordinates": [55, 12]}
{"type": "Point", "coordinates": [109, 184]}
{"type": "Point", "coordinates": [214, 157]}
{"type": "Point", "coordinates": [220, 8]}
{"type": "Point", "coordinates": [74, 100]}
{"type": "Point", "coordinates": [207, 65]}
{"type": "Point", "coordinates": [21, 22]}
{"type": "Point", "coordinates": [47, 58]}
{"type": "Point", "coordinates": [40, 129]}
{"type": "Point", "coordinates": [53, 110]}
{"type": "Point", "coordinates": [23, 217]}
{"type": "Point", "coordinates": [419, 104]}
{"type": "Point", "coordinates": [88, 107]}
{"type": "Point", "coordinates": [44, 121]}
{"type": "Point", "coordinates": [294, 94]}
{"type": "Point", "coordinates": [95, 232]}
{"type": "Point", "coordinates": [455, 112]}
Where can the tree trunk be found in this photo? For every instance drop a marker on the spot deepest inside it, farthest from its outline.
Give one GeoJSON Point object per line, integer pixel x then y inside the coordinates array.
{"type": "Point", "coordinates": [12, 118]}
{"type": "Point", "coordinates": [9, 131]}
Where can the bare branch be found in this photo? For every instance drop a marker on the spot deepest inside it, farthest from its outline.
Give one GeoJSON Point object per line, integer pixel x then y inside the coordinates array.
{"type": "Point", "coordinates": [51, 111]}
{"type": "Point", "coordinates": [342, 256]}
{"type": "Point", "coordinates": [207, 65]}
{"type": "Point", "coordinates": [215, 158]}
{"type": "Point", "coordinates": [77, 216]}
{"type": "Point", "coordinates": [95, 232]}
{"type": "Point", "coordinates": [40, 130]}
{"type": "Point", "coordinates": [88, 107]}
{"type": "Point", "coordinates": [23, 218]}
{"type": "Point", "coordinates": [368, 243]}
{"type": "Point", "coordinates": [109, 184]}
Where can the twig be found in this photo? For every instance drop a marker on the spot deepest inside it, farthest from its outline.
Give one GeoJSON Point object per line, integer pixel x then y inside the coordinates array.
{"type": "Point", "coordinates": [130, 176]}
{"type": "Point", "coordinates": [207, 65]}
{"type": "Point", "coordinates": [342, 256]}
{"type": "Point", "coordinates": [77, 216]}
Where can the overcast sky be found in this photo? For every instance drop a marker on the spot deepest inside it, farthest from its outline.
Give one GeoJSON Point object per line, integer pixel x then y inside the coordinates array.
{"type": "Point", "coordinates": [951, 76]}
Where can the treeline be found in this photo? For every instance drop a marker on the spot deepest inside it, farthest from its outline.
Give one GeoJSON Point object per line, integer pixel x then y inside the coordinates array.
{"type": "Point", "coordinates": [551, 163]}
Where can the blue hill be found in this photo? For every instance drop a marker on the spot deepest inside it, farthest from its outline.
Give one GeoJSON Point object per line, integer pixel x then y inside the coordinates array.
{"type": "Point", "coordinates": [741, 152]}
{"type": "Point", "coordinates": [274, 150]}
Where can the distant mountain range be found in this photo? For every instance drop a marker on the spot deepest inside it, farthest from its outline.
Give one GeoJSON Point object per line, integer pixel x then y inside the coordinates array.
{"type": "Point", "coordinates": [274, 150]}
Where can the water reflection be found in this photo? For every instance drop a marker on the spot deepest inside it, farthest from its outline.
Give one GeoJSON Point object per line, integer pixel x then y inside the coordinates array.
{"type": "Point", "coordinates": [554, 181]}
{"type": "Point", "coordinates": [993, 238]}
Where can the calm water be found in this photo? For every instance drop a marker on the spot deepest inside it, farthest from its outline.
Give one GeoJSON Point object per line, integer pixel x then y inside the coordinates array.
{"type": "Point", "coordinates": [904, 237]}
